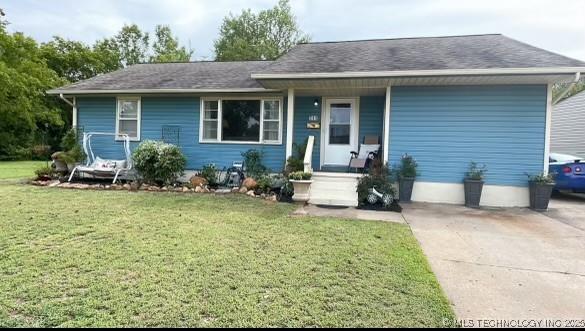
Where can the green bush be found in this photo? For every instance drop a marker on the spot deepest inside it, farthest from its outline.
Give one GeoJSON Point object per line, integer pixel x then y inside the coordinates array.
{"type": "Point", "coordinates": [407, 167]}
{"type": "Point", "coordinates": [300, 175]}
{"type": "Point", "coordinates": [296, 162]}
{"type": "Point", "coordinates": [45, 172]}
{"type": "Point", "coordinates": [210, 173]}
{"type": "Point", "coordinates": [159, 163]}
{"type": "Point", "coordinates": [476, 172]}
{"type": "Point", "coordinates": [253, 164]}
{"type": "Point", "coordinates": [542, 178]}
{"type": "Point", "coordinates": [380, 177]}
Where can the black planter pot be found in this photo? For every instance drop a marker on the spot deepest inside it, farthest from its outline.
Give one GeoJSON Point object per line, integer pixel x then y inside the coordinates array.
{"type": "Point", "coordinates": [405, 189]}
{"type": "Point", "coordinates": [540, 195]}
{"type": "Point", "coordinates": [473, 188]}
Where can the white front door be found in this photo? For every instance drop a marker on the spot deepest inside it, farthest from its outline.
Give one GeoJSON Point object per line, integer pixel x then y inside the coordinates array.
{"type": "Point", "coordinates": [340, 130]}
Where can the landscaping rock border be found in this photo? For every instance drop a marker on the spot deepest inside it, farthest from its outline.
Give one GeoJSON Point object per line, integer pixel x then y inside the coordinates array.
{"type": "Point", "coordinates": [133, 186]}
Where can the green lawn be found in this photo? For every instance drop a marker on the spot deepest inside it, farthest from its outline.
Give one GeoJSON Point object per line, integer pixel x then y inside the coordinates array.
{"type": "Point", "coordinates": [112, 258]}
{"type": "Point", "coordinates": [19, 169]}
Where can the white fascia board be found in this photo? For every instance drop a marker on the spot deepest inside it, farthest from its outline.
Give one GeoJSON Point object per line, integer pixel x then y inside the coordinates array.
{"type": "Point", "coordinates": [423, 73]}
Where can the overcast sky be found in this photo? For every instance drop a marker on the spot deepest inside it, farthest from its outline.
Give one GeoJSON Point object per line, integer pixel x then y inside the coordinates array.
{"type": "Point", "coordinates": [556, 25]}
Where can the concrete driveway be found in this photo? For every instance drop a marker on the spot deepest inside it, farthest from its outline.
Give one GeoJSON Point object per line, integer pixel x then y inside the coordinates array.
{"type": "Point", "coordinates": [506, 263]}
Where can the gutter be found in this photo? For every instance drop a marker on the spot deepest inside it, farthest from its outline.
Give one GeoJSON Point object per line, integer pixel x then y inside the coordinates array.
{"type": "Point", "coordinates": [60, 92]}
{"type": "Point", "coordinates": [567, 89]}
{"type": "Point", "coordinates": [64, 99]}
{"type": "Point", "coordinates": [413, 73]}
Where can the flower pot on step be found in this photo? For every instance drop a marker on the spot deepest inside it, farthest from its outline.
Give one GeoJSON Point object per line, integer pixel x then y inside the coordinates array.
{"type": "Point", "coordinates": [540, 195]}
{"type": "Point", "coordinates": [405, 185]}
{"type": "Point", "coordinates": [473, 188]}
{"type": "Point", "coordinates": [302, 190]}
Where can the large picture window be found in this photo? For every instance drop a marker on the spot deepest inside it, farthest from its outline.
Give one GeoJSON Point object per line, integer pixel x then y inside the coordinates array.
{"type": "Point", "coordinates": [128, 118]}
{"type": "Point", "coordinates": [241, 120]}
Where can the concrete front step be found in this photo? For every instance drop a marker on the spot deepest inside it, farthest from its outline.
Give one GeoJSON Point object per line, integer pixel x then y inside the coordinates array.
{"type": "Point", "coordinates": [334, 189]}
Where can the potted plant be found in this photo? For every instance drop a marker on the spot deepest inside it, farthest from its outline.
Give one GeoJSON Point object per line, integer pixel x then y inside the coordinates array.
{"type": "Point", "coordinates": [302, 185]}
{"type": "Point", "coordinates": [473, 184]}
{"type": "Point", "coordinates": [540, 187]}
{"type": "Point", "coordinates": [406, 175]}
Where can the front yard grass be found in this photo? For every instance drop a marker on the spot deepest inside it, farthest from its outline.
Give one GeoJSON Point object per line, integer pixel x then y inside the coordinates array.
{"type": "Point", "coordinates": [19, 169]}
{"type": "Point", "coordinates": [111, 258]}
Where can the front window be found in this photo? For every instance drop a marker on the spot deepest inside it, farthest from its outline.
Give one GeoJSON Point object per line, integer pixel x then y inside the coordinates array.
{"type": "Point", "coordinates": [128, 118]}
{"type": "Point", "coordinates": [241, 120]}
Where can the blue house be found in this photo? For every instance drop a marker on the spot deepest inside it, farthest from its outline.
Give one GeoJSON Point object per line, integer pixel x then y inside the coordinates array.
{"type": "Point", "coordinates": [444, 100]}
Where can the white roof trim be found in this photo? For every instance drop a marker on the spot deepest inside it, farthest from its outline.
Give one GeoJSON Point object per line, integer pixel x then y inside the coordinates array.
{"type": "Point", "coordinates": [159, 91]}
{"type": "Point", "coordinates": [411, 73]}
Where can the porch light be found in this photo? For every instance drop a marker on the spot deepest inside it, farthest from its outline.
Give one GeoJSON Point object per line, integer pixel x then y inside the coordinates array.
{"type": "Point", "coordinates": [316, 103]}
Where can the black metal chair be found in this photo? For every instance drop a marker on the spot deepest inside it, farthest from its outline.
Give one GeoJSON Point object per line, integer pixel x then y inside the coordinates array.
{"type": "Point", "coordinates": [369, 150]}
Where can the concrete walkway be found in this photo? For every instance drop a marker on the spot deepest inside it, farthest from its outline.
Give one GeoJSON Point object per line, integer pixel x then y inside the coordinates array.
{"type": "Point", "coordinates": [506, 263]}
{"type": "Point", "coordinates": [350, 213]}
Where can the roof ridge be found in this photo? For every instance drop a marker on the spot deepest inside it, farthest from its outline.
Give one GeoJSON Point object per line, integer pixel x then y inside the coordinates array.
{"type": "Point", "coordinates": [401, 38]}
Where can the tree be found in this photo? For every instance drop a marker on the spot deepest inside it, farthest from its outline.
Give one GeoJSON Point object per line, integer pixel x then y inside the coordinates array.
{"type": "Point", "coordinates": [76, 61]}
{"type": "Point", "coordinates": [25, 108]}
{"type": "Point", "coordinates": [262, 36]}
{"type": "Point", "coordinates": [558, 88]}
{"type": "Point", "coordinates": [166, 47]}
{"type": "Point", "coordinates": [130, 43]}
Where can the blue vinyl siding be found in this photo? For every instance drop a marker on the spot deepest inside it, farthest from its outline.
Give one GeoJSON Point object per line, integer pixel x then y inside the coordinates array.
{"type": "Point", "coordinates": [305, 107]}
{"type": "Point", "coordinates": [99, 114]}
{"type": "Point", "coordinates": [371, 117]}
{"type": "Point", "coordinates": [445, 128]}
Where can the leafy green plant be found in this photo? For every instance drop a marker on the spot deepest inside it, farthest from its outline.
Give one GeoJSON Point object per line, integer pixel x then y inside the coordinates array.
{"type": "Point", "coordinates": [159, 163]}
{"type": "Point", "coordinates": [72, 149]}
{"type": "Point", "coordinates": [300, 175]}
{"type": "Point", "coordinates": [407, 167]}
{"type": "Point", "coordinates": [475, 171]}
{"type": "Point", "coordinates": [264, 183]}
{"type": "Point", "coordinates": [210, 173]}
{"type": "Point", "coordinates": [296, 162]}
{"type": "Point", "coordinates": [541, 178]}
{"type": "Point", "coordinates": [253, 163]}
{"type": "Point", "coordinates": [380, 177]}
{"type": "Point", "coordinates": [45, 172]}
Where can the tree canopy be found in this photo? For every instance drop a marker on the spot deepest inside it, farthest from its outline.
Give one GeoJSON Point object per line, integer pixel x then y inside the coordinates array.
{"type": "Point", "coordinates": [262, 36]}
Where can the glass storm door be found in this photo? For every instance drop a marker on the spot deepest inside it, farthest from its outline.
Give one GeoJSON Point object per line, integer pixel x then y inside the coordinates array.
{"type": "Point", "coordinates": [340, 131]}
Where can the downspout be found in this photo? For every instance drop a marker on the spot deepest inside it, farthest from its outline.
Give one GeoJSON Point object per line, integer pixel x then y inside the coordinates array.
{"type": "Point", "coordinates": [566, 90]}
{"type": "Point", "coordinates": [72, 104]}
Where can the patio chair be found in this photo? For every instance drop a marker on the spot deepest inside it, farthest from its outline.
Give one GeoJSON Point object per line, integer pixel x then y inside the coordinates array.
{"type": "Point", "coordinates": [369, 150]}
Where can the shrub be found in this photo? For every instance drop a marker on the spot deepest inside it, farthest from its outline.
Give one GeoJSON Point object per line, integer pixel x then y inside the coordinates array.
{"type": "Point", "coordinates": [210, 173]}
{"type": "Point", "coordinates": [300, 175]}
{"type": "Point", "coordinates": [253, 164]}
{"type": "Point", "coordinates": [264, 183]}
{"type": "Point", "coordinates": [296, 162]}
{"type": "Point", "coordinates": [407, 167]}
{"type": "Point", "coordinates": [45, 172]}
{"type": "Point", "coordinates": [159, 163]}
{"type": "Point", "coordinates": [380, 177]}
{"type": "Point", "coordinates": [475, 171]}
{"type": "Point", "coordinates": [542, 178]}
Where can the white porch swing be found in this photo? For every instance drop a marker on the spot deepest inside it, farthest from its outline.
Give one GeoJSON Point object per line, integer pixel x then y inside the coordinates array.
{"type": "Point", "coordinates": [104, 168]}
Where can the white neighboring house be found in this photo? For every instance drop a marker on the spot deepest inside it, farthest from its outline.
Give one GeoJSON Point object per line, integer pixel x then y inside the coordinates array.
{"type": "Point", "coordinates": [568, 126]}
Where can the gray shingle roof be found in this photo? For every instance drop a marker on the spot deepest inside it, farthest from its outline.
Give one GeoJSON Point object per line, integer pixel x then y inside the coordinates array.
{"type": "Point", "coordinates": [407, 54]}
{"type": "Point", "coordinates": [172, 76]}
{"type": "Point", "coordinates": [432, 53]}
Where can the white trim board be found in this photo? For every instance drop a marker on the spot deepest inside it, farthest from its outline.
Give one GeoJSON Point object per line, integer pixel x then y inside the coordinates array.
{"type": "Point", "coordinates": [453, 193]}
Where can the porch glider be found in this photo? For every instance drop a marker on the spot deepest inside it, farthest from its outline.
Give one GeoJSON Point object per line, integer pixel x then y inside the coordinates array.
{"type": "Point", "coordinates": [104, 168]}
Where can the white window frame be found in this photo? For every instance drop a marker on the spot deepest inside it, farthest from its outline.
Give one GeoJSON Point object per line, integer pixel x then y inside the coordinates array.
{"type": "Point", "coordinates": [138, 100]}
{"type": "Point", "coordinates": [261, 140]}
